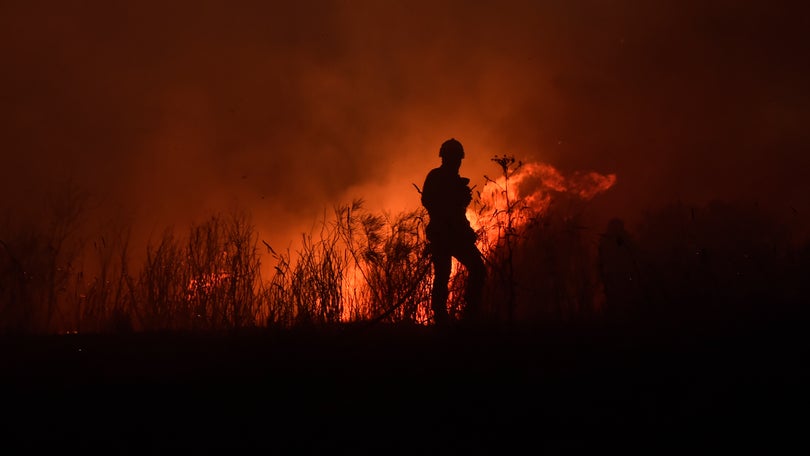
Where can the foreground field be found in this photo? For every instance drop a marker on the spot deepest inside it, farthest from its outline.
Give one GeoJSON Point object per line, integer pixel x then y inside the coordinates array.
{"type": "Point", "coordinates": [411, 390]}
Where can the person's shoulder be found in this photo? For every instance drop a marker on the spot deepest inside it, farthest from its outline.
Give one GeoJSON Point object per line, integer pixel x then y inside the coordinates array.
{"type": "Point", "coordinates": [436, 172]}
{"type": "Point", "coordinates": [433, 173]}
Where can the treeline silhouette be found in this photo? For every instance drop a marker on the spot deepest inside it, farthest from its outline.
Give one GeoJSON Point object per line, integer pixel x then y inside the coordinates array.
{"type": "Point", "coordinates": [722, 262]}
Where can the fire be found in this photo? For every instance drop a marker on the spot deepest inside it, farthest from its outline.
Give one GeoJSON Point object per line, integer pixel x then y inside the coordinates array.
{"type": "Point", "coordinates": [206, 284]}
{"type": "Point", "coordinates": [526, 190]}
{"type": "Point", "coordinates": [366, 265]}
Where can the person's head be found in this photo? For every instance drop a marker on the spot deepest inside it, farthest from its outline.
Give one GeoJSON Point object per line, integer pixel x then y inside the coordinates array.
{"type": "Point", "coordinates": [451, 152]}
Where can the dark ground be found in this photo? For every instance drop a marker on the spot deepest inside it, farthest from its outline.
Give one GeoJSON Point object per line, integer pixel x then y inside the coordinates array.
{"type": "Point", "coordinates": [567, 387]}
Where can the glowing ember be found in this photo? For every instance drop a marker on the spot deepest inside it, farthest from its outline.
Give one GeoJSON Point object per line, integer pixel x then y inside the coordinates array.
{"type": "Point", "coordinates": [205, 285]}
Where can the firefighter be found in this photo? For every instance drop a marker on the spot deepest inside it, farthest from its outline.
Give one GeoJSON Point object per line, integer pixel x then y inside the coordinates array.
{"type": "Point", "coordinates": [446, 195]}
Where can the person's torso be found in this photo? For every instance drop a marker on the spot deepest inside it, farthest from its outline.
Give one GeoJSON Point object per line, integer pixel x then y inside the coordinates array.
{"type": "Point", "coordinates": [445, 195]}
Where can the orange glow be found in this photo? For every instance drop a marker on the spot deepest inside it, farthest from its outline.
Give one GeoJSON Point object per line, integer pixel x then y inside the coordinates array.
{"type": "Point", "coordinates": [357, 296]}
{"type": "Point", "coordinates": [527, 193]}
{"type": "Point", "coordinates": [351, 292]}
{"type": "Point", "coordinates": [205, 285]}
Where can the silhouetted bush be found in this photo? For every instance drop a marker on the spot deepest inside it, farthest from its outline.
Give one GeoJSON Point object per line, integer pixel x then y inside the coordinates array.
{"type": "Point", "coordinates": [721, 261]}
{"type": "Point", "coordinates": [38, 258]}
{"type": "Point", "coordinates": [546, 269]}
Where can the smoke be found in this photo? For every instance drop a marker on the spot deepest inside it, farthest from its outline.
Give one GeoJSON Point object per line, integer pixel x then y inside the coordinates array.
{"type": "Point", "coordinates": [165, 112]}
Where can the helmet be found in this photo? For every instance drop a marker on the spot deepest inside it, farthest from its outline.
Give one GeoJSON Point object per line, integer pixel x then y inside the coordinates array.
{"type": "Point", "coordinates": [451, 149]}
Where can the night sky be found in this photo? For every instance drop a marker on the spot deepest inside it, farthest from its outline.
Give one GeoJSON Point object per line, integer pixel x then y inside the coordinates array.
{"type": "Point", "coordinates": [165, 112]}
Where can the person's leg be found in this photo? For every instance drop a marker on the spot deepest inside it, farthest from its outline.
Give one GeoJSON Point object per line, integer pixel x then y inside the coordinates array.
{"type": "Point", "coordinates": [470, 257]}
{"type": "Point", "coordinates": [439, 293]}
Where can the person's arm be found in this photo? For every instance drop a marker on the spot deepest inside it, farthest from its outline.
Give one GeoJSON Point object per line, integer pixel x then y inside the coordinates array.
{"type": "Point", "coordinates": [430, 193]}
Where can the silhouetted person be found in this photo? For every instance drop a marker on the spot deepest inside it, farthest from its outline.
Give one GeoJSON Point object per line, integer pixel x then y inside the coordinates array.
{"type": "Point", "coordinates": [446, 195]}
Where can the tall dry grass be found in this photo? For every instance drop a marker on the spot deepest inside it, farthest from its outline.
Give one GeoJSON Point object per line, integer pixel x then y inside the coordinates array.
{"type": "Point", "coordinates": [38, 258]}
{"type": "Point", "coordinates": [361, 266]}
{"type": "Point", "coordinates": [683, 262]}
{"type": "Point", "coordinates": [208, 280]}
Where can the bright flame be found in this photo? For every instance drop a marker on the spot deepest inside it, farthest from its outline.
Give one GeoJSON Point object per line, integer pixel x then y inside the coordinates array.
{"type": "Point", "coordinates": [526, 191]}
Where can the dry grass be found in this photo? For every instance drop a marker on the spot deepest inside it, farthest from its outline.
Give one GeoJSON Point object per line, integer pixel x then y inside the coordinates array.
{"type": "Point", "coordinates": [360, 266]}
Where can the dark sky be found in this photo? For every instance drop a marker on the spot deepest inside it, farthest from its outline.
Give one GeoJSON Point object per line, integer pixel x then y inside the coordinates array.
{"type": "Point", "coordinates": [168, 111]}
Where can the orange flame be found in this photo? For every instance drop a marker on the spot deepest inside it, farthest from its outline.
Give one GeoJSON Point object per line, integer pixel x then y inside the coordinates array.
{"type": "Point", "coordinates": [528, 191]}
